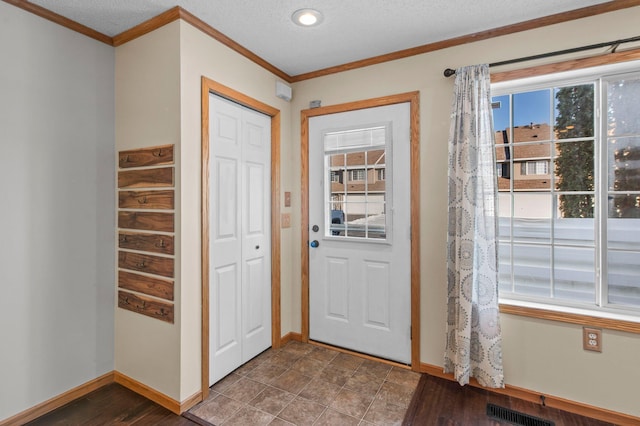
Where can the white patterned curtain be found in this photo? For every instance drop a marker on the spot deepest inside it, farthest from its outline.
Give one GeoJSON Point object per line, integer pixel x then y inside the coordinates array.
{"type": "Point", "coordinates": [474, 342]}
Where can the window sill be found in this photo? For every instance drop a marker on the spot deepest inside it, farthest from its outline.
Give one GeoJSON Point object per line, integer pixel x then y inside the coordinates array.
{"type": "Point", "coordinates": [610, 322]}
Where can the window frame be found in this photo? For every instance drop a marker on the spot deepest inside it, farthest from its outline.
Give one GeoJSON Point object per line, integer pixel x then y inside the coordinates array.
{"type": "Point", "coordinates": [552, 75]}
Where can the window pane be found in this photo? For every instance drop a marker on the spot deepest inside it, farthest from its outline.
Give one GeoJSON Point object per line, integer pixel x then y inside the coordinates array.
{"type": "Point", "coordinates": [354, 212]}
{"type": "Point", "coordinates": [336, 225]}
{"type": "Point", "coordinates": [622, 107]}
{"type": "Point", "coordinates": [337, 160]}
{"type": "Point", "coordinates": [504, 212]}
{"type": "Point", "coordinates": [624, 270]}
{"type": "Point", "coordinates": [574, 111]}
{"type": "Point", "coordinates": [623, 233]}
{"type": "Point", "coordinates": [575, 206]}
{"type": "Point", "coordinates": [531, 164]}
{"type": "Point", "coordinates": [624, 163]}
{"type": "Point", "coordinates": [501, 107]}
{"type": "Point", "coordinates": [531, 270]}
{"type": "Point", "coordinates": [356, 178]}
{"type": "Point", "coordinates": [532, 116]}
{"type": "Point", "coordinates": [375, 220]}
{"type": "Point", "coordinates": [574, 166]}
{"type": "Point", "coordinates": [504, 268]}
{"type": "Point", "coordinates": [624, 206]}
{"type": "Point", "coordinates": [574, 232]}
{"type": "Point", "coordinates": [532, 217]}
{"type": "Point", "coordinates": [573, 273]}
{"type": "Point", "coordinates": [503, 165]}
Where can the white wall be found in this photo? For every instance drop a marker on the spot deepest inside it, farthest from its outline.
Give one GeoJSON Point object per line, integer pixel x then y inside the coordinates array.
{"type": "Point", "coordinates": [542, 356]}
{"type": "Point", "coordinates": [56, 209]}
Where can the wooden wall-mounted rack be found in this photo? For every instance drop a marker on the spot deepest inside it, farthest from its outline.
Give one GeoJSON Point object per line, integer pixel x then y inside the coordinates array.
{"type": "Point", "coordinates": [146, 230]}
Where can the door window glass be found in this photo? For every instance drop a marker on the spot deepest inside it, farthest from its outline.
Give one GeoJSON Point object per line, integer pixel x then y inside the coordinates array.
{"type": "Point", "coordinates": [356, 180]}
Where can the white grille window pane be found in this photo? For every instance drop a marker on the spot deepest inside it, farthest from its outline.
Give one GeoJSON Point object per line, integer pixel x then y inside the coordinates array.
{"type": "Point", "coordinates": [531, 270]}
{"type": "Point", "coordinates": [356, 180]}
{"type": "Point", "coordinates": [573, 273]}
{"type": "Point", "coordinates": [622, 106]}
{"type": "Point", "coordinates": [623, 190]}
{"type": "Point", "coordinates": [574, 166]}
{"type": "Point", "coordinates": [532, 217]}
{"type": "Point", "coordinates": [623, 273]}
{"type": "Point", "coordinates": [574, 232]}
{"type": "Point", "coordinates": [549, 196]}
{"type": "Point", "coordinates": [504, 220]}
{"type": "Point", "coordinates": [624, 163]}
{"type": "Point", "coordinates": [504, 268]}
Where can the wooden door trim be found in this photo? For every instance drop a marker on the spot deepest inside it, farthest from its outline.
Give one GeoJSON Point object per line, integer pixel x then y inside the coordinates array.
{"type": "Point", "coordinates": [414, 99]}
{"type": "Point", "coordinates": [208, 87]}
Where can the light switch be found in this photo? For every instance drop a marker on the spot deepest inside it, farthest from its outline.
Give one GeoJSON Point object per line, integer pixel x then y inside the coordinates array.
{"type": "Point", "coordinates": [287, 199]}
{"type": "Point", "coordinates": [285, 220]}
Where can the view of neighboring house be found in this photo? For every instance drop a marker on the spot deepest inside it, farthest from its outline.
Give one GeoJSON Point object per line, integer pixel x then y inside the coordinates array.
{"type": "Point", "coordinates": [531, 167]}
{"type": "Point", "coordinates": [357, 198]}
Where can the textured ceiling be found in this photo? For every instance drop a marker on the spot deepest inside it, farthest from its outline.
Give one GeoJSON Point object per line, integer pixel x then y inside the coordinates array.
{"type": "Point", "coordinates": [352, 29]}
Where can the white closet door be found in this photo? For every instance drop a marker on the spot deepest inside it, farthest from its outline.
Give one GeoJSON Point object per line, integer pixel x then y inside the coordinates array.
{"type": "Point", "coordinates": [240, 236]}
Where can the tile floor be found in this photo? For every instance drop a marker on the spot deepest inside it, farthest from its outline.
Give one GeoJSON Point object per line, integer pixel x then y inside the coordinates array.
{"type": "Point", "coordinates": [304, 384]}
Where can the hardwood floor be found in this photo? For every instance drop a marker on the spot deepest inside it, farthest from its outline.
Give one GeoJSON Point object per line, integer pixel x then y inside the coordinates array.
{"type": "Point", "coordinates": [443, 402]}
{"type": "Point", "coordinates": [110, 405]}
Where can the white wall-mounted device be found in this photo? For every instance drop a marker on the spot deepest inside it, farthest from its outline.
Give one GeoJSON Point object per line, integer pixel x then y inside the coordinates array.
{"type": "Point", "coordinates": [283, 91]}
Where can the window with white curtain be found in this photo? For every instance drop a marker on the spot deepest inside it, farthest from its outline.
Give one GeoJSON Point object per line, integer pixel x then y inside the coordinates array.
{"type": "Point", "coordinates": [568, 161]}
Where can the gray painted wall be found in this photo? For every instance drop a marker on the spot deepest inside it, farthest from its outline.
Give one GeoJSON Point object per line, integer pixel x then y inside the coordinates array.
{"type": "Point", "coordinates": [57, 197]}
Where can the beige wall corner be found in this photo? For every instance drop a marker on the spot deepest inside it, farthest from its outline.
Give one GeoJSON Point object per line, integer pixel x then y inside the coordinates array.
{"type": "Point", "coordinates": [148, 114]}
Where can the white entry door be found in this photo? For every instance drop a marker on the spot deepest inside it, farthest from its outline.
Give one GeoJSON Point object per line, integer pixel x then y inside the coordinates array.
{"type": "Point", "coordinates": [359, 231]}
{"type": "Point", "coordinates": [239, 235]}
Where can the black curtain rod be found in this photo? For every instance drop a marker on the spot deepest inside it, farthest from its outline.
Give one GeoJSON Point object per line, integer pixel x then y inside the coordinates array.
{"type": "Point", "coordinates": [449, 72]}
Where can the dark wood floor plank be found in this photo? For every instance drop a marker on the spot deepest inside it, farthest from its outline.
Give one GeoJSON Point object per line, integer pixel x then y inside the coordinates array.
{"type": "Point", "coordinates": [110, 405]}
{"type": "Point", "coordinates": [443, 402]}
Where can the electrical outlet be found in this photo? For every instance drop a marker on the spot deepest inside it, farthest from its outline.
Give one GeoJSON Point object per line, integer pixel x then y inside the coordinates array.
{"type": "Point", "coordinates": [592, 339]}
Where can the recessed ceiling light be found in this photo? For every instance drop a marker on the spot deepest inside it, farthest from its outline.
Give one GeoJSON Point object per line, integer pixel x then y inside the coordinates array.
{"type": "Point", "coordinates": [307, 17]}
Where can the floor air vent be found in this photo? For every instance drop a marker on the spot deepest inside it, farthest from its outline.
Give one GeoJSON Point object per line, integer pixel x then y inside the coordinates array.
{"type": "Point", "coordinates": [515, 417]}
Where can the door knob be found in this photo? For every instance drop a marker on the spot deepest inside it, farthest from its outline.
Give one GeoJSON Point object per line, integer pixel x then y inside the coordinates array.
{"type": "Point", "coordinates": [314, 244]}
{"type": "Point", "coordinates": [257, 247]}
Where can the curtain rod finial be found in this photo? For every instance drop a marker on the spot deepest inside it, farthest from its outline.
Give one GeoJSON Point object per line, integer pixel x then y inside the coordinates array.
{"type": "Point", "coordinates": [449, 72]}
